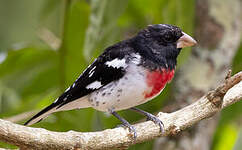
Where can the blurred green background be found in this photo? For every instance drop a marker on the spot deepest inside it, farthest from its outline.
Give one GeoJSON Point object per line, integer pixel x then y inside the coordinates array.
{"type": "Point", "coordinates": [46, 44]}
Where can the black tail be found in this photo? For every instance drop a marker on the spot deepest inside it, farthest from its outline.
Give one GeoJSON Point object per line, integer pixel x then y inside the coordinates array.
{"type": "Point", "coordinates": [42, 114]}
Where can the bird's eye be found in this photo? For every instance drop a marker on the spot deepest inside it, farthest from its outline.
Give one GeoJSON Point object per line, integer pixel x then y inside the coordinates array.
{"type": "Point", "coordinates": [168, 37]}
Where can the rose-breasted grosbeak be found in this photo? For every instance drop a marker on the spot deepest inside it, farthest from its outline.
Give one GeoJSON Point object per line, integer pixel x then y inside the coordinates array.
{"type": "Point", "coordinates": [125, 75]}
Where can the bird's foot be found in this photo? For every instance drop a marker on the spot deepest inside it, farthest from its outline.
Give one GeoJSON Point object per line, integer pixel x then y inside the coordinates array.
{"type": "Point", "coordinates": [156, 120]}
{"type": "Point", "coordinates": [131, 129]}
{"type": "Point", "coordinates": [150, 117]}
{"type": "Point", "coordinates": [125, 124]}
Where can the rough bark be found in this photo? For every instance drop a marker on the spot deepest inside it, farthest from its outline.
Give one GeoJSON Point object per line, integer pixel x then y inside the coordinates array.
{"type": "Point", "coordinates": [224, 95]}
{"type": "Point", "coordinates": [218, 32]}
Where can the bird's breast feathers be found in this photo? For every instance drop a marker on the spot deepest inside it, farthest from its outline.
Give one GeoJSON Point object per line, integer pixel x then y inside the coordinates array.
{"type": "Point", "coordinates": [156, 81]}
{"type": "Point", "coordinates": [136, 87]}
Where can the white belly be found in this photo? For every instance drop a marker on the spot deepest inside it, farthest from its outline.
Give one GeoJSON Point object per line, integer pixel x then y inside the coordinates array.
{"type": "Point", "coordinates": [122, 94]}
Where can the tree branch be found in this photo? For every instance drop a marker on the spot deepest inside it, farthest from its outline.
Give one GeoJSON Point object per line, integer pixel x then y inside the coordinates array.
{"type": "Point", "coordinates": [224, 95]}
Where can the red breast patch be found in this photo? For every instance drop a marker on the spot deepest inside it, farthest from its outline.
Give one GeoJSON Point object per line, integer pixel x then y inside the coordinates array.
{"type": "Point", "coordinates": [157, 80]}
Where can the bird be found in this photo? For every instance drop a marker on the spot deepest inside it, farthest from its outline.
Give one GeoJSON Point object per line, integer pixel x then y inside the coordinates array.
{"type": "Point", "coordinates": [127, 74]}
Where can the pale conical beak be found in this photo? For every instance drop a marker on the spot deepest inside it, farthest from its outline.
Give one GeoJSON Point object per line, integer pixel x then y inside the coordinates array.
{"type": "Point", "coordinates": [185, 41]}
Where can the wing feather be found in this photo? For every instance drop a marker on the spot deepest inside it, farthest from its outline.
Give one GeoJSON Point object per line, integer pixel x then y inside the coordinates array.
{"type": "Point", "coordinates": [108, 67]}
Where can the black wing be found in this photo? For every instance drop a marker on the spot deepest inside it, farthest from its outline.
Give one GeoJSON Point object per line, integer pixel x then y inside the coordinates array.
{"type": "Point", "coordinates": [98, 71]}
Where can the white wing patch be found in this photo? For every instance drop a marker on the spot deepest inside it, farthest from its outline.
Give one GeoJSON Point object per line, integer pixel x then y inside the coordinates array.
{"type": "Point", "coordinates": [136, 59]}
{"type": "Point", "coordinates": [92, 71]}
{"type": "Point", "coordinates": [86, 70]}
{"type": "Point", "coordinates": [94, 85]}
{"type": "Point", "coordinates": [116, 63]}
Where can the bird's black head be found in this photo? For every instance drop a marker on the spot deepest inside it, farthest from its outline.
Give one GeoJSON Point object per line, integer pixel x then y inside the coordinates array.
{"type": "Point", "coordinates": [163, 34]}
{"type": "Point", "coordinates": [161, 43]}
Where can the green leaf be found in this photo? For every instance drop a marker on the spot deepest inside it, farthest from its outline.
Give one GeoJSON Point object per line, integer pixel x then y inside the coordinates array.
{"type": "Point", "coordinates": [77, 23]}
{"type": "Point", "coordinates": [238, 143]}
{"type": "Point", "coordinates": [21, 67]}
{"type": "Point", "coordinates": [226, 137]}
{"type": "Point", "coordinates": [9, 99]}
{"type": "Point", "coordinates": [237, 63]}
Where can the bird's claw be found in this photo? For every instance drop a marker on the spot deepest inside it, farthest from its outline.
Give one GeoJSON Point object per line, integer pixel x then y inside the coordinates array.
{"type": "Point", "coordinates": [132, 129]}
{"type": "Point", "coordinates": [156, 120]}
